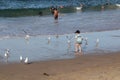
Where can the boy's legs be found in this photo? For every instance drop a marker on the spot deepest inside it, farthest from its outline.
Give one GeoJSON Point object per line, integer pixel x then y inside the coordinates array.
{"type": "Point", "coordinates": [80, 48]}
{"type": "Point", "coordinates": [76, 47]}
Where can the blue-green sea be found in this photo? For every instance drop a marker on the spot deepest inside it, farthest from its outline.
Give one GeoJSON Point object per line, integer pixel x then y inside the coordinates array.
{"type": "Point", "coordinates": [17, 8]}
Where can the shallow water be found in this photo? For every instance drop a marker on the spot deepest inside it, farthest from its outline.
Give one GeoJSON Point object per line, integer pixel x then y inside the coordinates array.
{"type": "Point", "coordinates": [39, 48]}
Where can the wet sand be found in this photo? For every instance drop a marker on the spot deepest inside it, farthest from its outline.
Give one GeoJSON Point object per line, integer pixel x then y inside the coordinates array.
{"type": "Point", "coordinates": [85, 67]}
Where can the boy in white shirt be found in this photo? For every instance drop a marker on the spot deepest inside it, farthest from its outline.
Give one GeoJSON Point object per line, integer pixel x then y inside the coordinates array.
{"type": "Point", "coordinates": [78, 42]}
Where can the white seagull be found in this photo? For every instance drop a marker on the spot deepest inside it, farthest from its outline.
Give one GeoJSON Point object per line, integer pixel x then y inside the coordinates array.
{"type": "Point", "coordinates": [78, 8]}
{"type": "Point", "coordinates": [7, 51]}
{"type": "Point", "coordinates": [27, 37]}
{"type": "Point", "coordinates": [49, 38]}
{"type": "Point", "coordinates": [26, 60]}
{"type": "Point", "coordinates": [21, 58]}
{"type": "Point", "coordinates": [6, 55]}
{"type": "Point", "coordinates": [118, 5]}
{"type": "Point", "coordinates": [97, 42]}
{"type": "Point", "coordinates": [69, 41]}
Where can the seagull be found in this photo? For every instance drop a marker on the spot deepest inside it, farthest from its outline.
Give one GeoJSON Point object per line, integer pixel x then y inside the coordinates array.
{"type": "Point", "coordinates": [27, 37]}
{"type": "Point", "coordinates": [7, 52]}
{"type": "Point", "coordinates": [80, 7]}
{"type": "Point", "coordinates": [26, 60]}
{"type": "Point", "coordinates": [86, 41]}
{"type": "Point", "coordinates": [68, 41]}
{"type": "Point", "coordinates": [97, 42]}
{"type": "Point", "coordinates": [21, 58]}
{"type": "Point", "coordinates": [49, 38]}
{"type": "Point", "coordinates": [118, 5]}
{"type": "Point", "coordinates": [6, 55]}
{"type": "Point", "coordinates": [69, 44]}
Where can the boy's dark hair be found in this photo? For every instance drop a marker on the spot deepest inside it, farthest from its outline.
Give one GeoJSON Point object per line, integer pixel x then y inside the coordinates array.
{"type": "Point", "coordinates": [77, 31]}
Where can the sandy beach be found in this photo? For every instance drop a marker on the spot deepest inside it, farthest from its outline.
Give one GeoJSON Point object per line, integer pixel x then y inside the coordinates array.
{"type": "Point", "coordinates": [85, 67]}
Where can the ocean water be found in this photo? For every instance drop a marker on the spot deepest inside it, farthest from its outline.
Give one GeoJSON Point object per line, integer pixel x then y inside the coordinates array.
{"type": "Point", "coordinates": [88, 21]}
{"type": "Point", "coordinates": [14, 4]}
{"type": "Point", "coordinates": [17, 8]}
{"type": "Point", "coordinates": [21, 17]}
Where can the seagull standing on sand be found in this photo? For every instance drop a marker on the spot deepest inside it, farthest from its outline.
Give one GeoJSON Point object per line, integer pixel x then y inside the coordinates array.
{"type": "Point", "coordinates": [7, 52]}
{"type": "Point", "coordinates": [26, 60]}
{"type": "Point", "coordinates": [6, 55]}
{"type": "Point", "coordinates": [21, 59]}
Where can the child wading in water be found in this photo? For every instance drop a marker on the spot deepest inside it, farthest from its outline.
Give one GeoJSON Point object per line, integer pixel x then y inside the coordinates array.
{"type": "Point", "coordinates": [78, 42]}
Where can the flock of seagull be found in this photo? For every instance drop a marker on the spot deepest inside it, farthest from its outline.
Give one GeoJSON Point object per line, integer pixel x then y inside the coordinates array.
{"type": "Point", "coordinates": [22, 60]}
{"type": "Point", "coordinates": [27, 37]}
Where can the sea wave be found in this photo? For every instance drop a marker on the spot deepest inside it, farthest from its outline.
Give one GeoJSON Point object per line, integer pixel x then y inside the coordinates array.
{"type": "Point", "coordinates": [46, 11]}
{"type": "Point", "coordinates": [16, 8]}
{"type": "Point", "coordinates": [20, 4]}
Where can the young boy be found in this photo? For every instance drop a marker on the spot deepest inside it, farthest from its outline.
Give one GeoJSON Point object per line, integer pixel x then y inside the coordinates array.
{"type": "Point", "coordinates": [78, 42]}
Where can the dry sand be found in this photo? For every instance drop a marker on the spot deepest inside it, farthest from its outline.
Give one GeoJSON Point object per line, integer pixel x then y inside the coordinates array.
{"type": "Point", "coordinates": [85, 67]}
